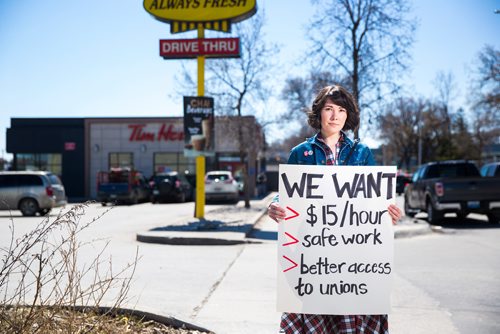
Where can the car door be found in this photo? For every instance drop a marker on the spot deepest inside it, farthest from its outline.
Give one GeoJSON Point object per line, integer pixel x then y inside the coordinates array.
{"type": "Point", "coordinates": [144, 188]}
{"type": "Point", "coordinates": [418, 189]}
{"type": "Point", "coordinates": [9, 192]}
{"type": "Point", "coordinates": [186, 187]}
{"type": "Point", "coordinates": [422, 186]}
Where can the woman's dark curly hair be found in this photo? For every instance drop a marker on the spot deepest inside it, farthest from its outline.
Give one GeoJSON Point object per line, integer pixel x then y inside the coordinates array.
{"type": "Point", "coordinates": [339, 96]}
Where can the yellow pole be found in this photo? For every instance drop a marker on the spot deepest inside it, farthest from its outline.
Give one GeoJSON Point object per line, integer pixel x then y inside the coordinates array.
{"type": "Point", "coordinates": [201, 65]}
{"type": "Point", "coordinates": [200, 160]}
{"type": "Point", "coordinates": [200, 187]}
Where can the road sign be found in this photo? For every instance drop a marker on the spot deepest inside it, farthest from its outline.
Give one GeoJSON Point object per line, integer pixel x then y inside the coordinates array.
{"type": "Point", "coordinates": [192, 48]}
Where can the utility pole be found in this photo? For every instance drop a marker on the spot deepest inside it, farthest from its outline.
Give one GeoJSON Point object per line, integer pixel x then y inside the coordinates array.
{"type": "Point", "coordinates": [200, 159]}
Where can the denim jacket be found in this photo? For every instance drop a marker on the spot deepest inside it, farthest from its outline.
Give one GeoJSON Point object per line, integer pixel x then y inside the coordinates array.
{"type": "Point", "coordinates": [362, 155]}
{"type": "Point", "coordinates": [301, 154]}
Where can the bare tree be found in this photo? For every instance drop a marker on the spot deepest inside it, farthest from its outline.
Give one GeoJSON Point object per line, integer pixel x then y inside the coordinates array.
{"type": "Point", "coordinates": [446, 90]}
{"type": "Point", "coordinates": [400, 130]}
{"type": "Point", "coordinates": [240, 84]}
{"type": "Point", "coordinates": [462, 139]}
{"type": "Point", "coordinates": [486, 98]}
{"type": "Point", "coordinates": [367, 41]}
{"type": "Point", "coordinates": [300, 92]}
{"type": "Point", "coordinates": [241, 87]}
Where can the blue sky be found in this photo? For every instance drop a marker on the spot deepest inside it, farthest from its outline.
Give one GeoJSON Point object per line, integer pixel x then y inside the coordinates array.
{"type": "Point", "coordinates": [100, 58]}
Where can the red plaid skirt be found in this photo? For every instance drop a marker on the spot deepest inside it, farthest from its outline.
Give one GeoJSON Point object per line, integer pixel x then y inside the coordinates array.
{"type": "Point", "coordinates": [294, 323]}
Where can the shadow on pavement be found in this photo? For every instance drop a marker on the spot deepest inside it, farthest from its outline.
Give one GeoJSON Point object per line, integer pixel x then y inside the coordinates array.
{"type": "Point", "coordinates": [466, 223]}
{"type": "Point", "coordinates": [263, 235]}
{"type": "Point", "coordinates": [207, 226]}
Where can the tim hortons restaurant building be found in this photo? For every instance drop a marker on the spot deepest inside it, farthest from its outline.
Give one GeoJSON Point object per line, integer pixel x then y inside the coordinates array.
{"type": "Point", "coordinates": [76, 149]}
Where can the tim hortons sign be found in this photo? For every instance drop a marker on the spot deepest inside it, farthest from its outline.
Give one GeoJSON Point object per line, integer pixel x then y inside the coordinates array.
{"type": "Point", "coordinates": [192, 48]}
{"type": "Point", "coordinates": [184, 15]}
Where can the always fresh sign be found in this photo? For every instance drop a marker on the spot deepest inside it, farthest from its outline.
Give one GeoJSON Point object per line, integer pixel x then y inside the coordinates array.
{"type": "Point", "coordinates": [200, 10]}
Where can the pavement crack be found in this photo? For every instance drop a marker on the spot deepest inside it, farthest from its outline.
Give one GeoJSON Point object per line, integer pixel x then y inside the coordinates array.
{"type": "Point", "coordinates": [214, 287]}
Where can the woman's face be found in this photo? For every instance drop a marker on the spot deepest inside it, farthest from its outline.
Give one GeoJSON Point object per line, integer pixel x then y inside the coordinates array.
{"type": "Point", "coordinates": [333, 118]}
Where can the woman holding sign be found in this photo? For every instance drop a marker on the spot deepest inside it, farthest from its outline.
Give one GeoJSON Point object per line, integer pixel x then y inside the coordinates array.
{"type": "Point", "coordinates": [334, 111]}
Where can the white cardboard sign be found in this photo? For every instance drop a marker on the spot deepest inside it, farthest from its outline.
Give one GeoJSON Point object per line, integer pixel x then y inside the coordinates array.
{"type": "Point", "coordinates": [335, 246]}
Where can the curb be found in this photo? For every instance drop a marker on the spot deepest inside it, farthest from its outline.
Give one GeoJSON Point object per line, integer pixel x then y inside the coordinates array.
{"type": "Point", "coordinates": [148, 316]}
{"type": "Point", "coordinates": [165, 320]}
{"type": "Point", "coordinates": [197, 240]}
{"type": "Point", "coordinates": [409, 228]}
{"type": "Point", "coordinates": [190, 241]}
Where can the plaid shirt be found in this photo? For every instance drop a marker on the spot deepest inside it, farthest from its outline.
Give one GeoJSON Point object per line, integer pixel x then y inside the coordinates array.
{"type": "Point", "coordinates": [331, 157]}
{"type": "Point", "coordinates": [294, 323]}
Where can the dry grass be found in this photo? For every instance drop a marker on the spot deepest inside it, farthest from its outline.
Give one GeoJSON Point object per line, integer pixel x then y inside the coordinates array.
{"type": "Point", "coordinates": [45, 289]}
{"type": "Point", "coordinates": [51, 321]}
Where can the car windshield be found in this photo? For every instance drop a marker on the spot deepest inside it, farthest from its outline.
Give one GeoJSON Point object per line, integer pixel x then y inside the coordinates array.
{"type": "Point", "coordinates": [118, 177]}
{"type": "Point", "coordinates": [160, 178]}
{"type": "Point", "coordinates": [220, 177]}
{"type": "Point", "coordinates": [452, 170]}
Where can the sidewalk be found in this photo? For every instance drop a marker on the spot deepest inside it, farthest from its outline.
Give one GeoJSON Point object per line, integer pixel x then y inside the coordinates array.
{"type": "Point", "coordinates": [242, 294]}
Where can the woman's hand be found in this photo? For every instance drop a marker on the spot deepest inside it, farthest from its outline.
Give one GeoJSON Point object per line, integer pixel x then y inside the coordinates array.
{"type": "Point", "coordinates": [395, 213]}
{"type": "Point", "coordinates": [275, 211]}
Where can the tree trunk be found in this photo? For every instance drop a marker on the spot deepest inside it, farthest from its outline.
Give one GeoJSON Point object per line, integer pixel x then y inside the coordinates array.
{"type": "Point", "coordinates": [243, 154]}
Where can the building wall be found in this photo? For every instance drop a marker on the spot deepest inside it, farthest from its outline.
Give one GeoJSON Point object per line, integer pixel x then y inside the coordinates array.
{"type": "Point", "coordinates": [141, 137]}
{"type": "Point", "coordinates": [50, 135]}
{"type": "Point", "coordinates": [164, 135]}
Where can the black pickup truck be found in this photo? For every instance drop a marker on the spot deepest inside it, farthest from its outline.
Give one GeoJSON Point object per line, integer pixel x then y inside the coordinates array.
{"type": "Point", "coordinates": [452, 186]}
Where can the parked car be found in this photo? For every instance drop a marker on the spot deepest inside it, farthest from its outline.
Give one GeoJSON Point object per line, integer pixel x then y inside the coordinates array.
{"type": "Point", "coordinates": [170, 186]}
{"type": "Point", "coordinates": [220, 185]}
{"type": "Point", "coordinates": [122, 185]}
{"type": "Point", "coordinates": [241, 184]}
{"type": "Point", "coordinates": [402, 180]}
{"type": "Point", "coordinates": [491, 170]}
{"type": "Point", "coordinates": [31, 192]}
{"type": "Point", "coordinates": [452, 186]}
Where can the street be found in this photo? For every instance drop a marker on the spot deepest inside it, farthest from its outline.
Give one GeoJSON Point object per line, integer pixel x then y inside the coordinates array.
{"type": "Point", "coordinates": [445, 282]}
{"type": "Point", "coordinates": [457, 272]}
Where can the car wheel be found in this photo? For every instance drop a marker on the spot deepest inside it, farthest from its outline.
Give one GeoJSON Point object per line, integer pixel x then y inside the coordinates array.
{"type": "Point", "coordinates": [461, 215]}
{"type": "Point", "coordinates": [408, 211]}
{"type": "Point", "coordinates": [493, 218]}
{"type": "Point", "coordinates": [44, 212]}
{"type": "Point", "coordinates": [103, 203]}
{"type": "Point", "coordinates": [433, 215]}
{"type": "Point", "coordinates": [28, 207]}
{"type": "Point", "coordinates": [135, 198]}
{"type": "Point", "coordinates": [181, 198]}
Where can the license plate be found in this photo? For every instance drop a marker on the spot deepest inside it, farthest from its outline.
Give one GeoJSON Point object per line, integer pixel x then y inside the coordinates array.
{"type": "Point", "coordinates": [217, 189]}
{"type": "Point", "coordinates": [473, 204]}
{"type": "Point", "coordinates": [156, 192]}
{"type": "Point", "coordinates": [112, 196]}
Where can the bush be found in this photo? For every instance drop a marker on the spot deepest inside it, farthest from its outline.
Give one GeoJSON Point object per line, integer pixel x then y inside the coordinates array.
{"type": "Point", "coordinates": [44, 288]}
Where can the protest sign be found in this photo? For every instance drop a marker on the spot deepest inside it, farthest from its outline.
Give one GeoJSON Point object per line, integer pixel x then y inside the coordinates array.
{"type": "Point", "coordinates": [335, 246]}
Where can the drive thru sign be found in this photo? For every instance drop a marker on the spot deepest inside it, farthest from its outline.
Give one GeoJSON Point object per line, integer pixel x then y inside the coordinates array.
{"type": "Point", "coordinates": [192, 48]}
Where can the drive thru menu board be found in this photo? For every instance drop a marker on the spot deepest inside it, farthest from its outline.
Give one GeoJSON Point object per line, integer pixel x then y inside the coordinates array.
{"type": "Point", "coordinates": [335, 246]}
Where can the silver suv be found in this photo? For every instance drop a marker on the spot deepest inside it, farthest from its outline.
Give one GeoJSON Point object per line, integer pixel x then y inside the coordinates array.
{"type": "Point", "coordinates": [31, 192]}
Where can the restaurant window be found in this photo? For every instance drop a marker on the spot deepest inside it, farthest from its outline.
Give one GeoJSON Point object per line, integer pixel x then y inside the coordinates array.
{"type": "Point", "coordinates": [121, 160]}
{"type": "Point", "coordinates": [175, 161]}
{"type": "Point", "coordinates": [51, 162]}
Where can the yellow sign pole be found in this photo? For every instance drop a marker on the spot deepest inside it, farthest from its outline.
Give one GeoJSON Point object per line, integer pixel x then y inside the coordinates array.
{"type": "Point", "coordinates": [200, 160]}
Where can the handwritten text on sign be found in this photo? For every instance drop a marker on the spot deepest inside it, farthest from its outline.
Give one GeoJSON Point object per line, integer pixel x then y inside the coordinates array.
{"type": "Point", "coordinates": [335, 247]}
